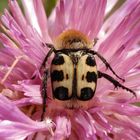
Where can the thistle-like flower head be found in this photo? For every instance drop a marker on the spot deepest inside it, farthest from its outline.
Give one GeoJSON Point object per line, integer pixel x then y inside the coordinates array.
{"type": "Point", "coordinates": [112, 114]}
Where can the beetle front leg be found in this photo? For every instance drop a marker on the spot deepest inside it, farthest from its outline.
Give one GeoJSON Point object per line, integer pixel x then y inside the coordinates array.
{"type": "Point", "coordinates": [46, 58]}
{"type": "Point", "coordinates": [114, 82]}
{"type": "Point", "coordinates": [106, 64]}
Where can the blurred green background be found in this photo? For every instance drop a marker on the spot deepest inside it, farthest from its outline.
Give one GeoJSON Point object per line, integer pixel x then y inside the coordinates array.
{"type": "Point", "coordinates": [49, 4]}
{"type": "Point", "coordinates": [3, 4]}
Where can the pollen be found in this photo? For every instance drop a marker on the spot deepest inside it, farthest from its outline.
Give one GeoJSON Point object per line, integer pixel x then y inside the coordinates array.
{"type": "Point", "coordinates": [72, 39]}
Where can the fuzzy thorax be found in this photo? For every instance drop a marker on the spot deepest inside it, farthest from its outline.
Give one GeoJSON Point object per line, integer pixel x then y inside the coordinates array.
{"type": "Point", "coordinates": [72, 39]}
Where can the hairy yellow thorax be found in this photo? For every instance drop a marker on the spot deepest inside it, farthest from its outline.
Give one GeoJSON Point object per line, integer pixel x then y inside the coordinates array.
{"type": "Point", "coordinates": [72, 39]}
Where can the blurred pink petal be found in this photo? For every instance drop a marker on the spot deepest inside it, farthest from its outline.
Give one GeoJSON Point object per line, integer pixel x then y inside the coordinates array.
{"type": "Point", "coordinates": [31, 93]}
{"type": "Point", "coordinates": [110, 5]}
{"type": "Point", "coordinates": [16, 125]}
{"type": "Point", "coordinates": [63, 129]}
{"type": "Point", "coordinates": [122, 33]}
{"type": "Point", "coordinates": [88, 21]}
{"type": "Point", "coordinates": [42, 20]}
{"type": "Point", "coordinates": [112, 22]}
{"type": "Point", "coordinates": [30, 12]}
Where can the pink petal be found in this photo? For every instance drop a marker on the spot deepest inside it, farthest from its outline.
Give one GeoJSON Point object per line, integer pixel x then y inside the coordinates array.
{"type": "Point", "coordinates": [18, 16]}
{"type": "Point", "coordinates": [123, 109]}
{"type": "Point", "coordinates": [31, 93]}
{"type": "Point", "coordinates": [127, 123]}
{"type": "Point", "coordinates": [86, 16]}
{"type": "Point", "coordinates": [31, 14]}
{"type": "Point", "coordinates": [86, 126]}
{"type": "Point", "coordinates": [63, 128]}
{"type": "Point", "coordinates": [16, 124]}
{"type": "Point", "coordinates": [15, 30]}
{"type": "Point", "coordinates": [110, 5]}
{"type": "Point", "coordinates": [42, 20]}
{"type": "Point", "coordinates": [112, 22]}
{"type": "Point", "coordinates": [10, 130]}
{"type": "Point", "coordinates": [122, 33]}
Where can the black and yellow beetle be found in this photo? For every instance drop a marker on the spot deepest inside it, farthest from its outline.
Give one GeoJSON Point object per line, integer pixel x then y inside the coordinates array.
{"type": "Point", "coordinates": [73, 71]}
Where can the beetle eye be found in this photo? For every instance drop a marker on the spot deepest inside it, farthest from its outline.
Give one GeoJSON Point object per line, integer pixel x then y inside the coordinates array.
{"type": "Point", "coordinates": [86, 94]}
{"type": "Point", "coordinates": [61, 93]}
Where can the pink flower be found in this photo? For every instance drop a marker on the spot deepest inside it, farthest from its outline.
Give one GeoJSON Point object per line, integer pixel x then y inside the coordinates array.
{"type": "Point", "coordinates": [112, 113]}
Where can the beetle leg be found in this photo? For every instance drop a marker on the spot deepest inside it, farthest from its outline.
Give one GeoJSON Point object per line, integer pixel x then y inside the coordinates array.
{"type": "Point", "coordinates": [44, 80]}
{"type": "Point", "coordinates": [106, 64]}
{"type": "Point", "coordinates": [44, 93]}
{"type": "Point", "coordinates": [48, 45]}
{"type": "Point", "coordinates": [114, 82]}
{"type": "Point", "coordinates": [46, 58]}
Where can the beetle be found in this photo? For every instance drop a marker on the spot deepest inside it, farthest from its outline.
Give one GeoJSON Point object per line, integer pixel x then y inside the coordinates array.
{"type": "Point", "coordinates": [73, 71]}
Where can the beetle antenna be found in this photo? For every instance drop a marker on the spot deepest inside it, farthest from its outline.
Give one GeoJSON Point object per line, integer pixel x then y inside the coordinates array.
{"type": "Point", "coordinates": [48, 45]}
